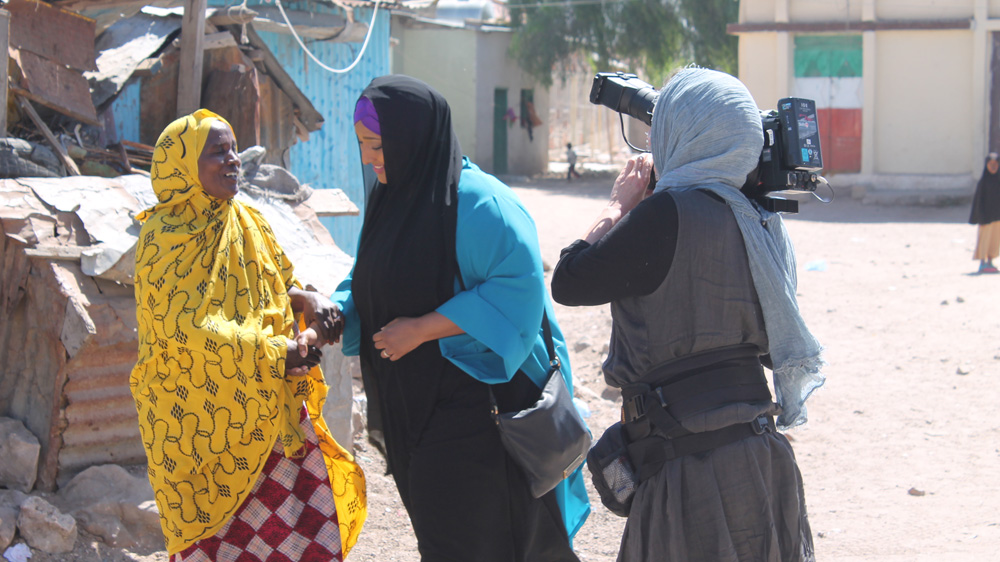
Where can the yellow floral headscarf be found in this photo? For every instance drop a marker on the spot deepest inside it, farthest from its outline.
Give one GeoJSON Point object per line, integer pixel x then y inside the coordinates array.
{"type": "Point", "coordinates": [211, 287]}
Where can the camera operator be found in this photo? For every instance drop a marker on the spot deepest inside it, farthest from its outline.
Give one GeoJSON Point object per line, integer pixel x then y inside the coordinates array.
{"type": "Point", "coordinates": [701, 283]}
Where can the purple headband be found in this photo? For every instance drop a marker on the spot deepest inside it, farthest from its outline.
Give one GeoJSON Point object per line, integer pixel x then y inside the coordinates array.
{"type": "Point", "coordinates": [364, 111]}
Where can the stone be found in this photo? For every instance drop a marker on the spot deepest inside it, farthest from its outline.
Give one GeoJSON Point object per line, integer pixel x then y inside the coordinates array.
{"type": "Point", "coordinates": [10, 506]}
{"type": "Point", "coordinates": [12, 498]}
{"type": "Point", "coordinates": [611, 393]}
{"type": "Point", "coordinates": [46, 528]}
{"type": "Point", "coordinates": [359, 416]}
{"type": "Point", "coordinates": [8, 525]}
{"type": "Point", "coordinates": [338, 370]}
{"type": "Point", "coordinates": [583, 390]}
{"type": "Point", "coordinates": [110, 503]}
{"type": "Point", "coordinates": [250, 159]}
{"type": "Point", "coordinates": [278, 182]}
{"type": "Point", "coordinates": [19, 450]}
{"type": "Point", "coordinates": [34, 152]}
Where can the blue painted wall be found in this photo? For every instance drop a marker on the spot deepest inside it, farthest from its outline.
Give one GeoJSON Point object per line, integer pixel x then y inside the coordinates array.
{"type": "Point", "coordinates": [125, 110]}
{"type": "Point", "coordinates": [330, 158]}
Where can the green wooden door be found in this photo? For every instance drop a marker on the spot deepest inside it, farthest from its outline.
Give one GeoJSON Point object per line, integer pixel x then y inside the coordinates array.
{"type": "Point", "coordinates": [499, 131]}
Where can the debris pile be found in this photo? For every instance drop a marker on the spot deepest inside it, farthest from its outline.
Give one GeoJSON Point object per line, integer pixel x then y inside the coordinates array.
{"type": "Point", "coordinates": [97, 92]}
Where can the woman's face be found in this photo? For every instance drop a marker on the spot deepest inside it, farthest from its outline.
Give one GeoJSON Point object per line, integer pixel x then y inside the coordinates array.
{"type": "Point", "coordinates": [371, 150]}
{"type": "Point", "coordinates": [219, 164]}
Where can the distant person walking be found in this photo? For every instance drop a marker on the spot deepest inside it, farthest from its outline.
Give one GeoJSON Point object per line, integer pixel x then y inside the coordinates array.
{"type": "Point", "coordinates": [986, 213]}
{"type": "Point", "coordinates": [571, 159]}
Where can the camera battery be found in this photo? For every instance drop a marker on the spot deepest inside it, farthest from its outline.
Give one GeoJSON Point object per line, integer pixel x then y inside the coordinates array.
{"type": "Point", "coordinates": [801, 128]}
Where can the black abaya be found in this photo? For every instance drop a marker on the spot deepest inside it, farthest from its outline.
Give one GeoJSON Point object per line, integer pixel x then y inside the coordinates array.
{"type": "Point", "coordinates": [465, 498]}
{"type": "Point", "coordinates": [986, 201]}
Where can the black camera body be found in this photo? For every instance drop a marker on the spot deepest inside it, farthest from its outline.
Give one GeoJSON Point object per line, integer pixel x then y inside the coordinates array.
{"type": "Point", "coordinates": [789, 160]}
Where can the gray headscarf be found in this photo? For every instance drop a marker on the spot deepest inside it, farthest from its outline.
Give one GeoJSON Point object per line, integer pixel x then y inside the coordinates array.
{"type": "Point", "coordinates": [706, 134]}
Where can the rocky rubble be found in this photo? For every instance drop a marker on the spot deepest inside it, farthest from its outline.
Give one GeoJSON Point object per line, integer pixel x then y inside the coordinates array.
{"type": "Point", "coordinates": [106, 501]}
{"type": "Point", "coordinates": [19, 450]}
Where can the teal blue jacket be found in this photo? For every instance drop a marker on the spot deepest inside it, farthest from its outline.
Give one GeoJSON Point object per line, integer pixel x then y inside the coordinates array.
{"type": "Point", "coordinates": [501, 309]}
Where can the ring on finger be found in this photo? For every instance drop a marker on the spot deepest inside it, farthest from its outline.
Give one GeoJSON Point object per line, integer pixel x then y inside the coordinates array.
{"type": "Point", "coordinates": [385, 354]}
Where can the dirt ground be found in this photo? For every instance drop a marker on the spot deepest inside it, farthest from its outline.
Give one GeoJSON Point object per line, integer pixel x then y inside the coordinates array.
{"type": "Point", "coordinates": [901, 453]}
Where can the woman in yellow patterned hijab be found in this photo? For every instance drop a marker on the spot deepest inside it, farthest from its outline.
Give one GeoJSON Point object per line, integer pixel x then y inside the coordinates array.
{"type": "Point", "coordinates": [240, 459]}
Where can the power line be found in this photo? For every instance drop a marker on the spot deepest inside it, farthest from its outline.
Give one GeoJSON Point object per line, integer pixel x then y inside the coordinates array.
{"type": "Point", "coordinates": [368, 36]}
{"type": "Point", "coordinates": [564, 3]}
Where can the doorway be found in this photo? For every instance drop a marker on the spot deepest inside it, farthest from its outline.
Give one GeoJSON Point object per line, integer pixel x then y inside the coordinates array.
{"type": "Point", "coordinates": [499, 131]}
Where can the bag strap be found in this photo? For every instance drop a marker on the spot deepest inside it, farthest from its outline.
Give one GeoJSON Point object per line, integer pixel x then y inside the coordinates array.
{"type": "Point", "coordinates": [697, 381]}
{"type": "Point", "coordinates": [648, 454]}
{"type": "Point", "coordinates": [549, 345]}
{"type": "Point", "coordinates": [554, 362]}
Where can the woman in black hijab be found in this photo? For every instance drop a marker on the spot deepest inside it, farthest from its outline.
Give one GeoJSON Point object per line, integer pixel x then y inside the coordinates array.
{"type": "Point", "coordinates": [986, 213]}
{"type": "Point", "coordinates": [446, 298]}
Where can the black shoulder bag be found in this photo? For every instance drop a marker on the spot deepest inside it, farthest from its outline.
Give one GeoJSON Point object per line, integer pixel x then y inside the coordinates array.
{"type": "Point", "coordinates": [549, 440]}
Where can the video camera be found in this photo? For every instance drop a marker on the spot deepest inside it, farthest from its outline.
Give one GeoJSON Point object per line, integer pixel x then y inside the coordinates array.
{"type": "Point", "coordinates": [789, 161]}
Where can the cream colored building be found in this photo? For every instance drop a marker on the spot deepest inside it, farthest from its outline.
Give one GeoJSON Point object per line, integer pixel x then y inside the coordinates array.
{"type": "Point", "coordinates": [491, 99]}
{"type": "Point", "coordinates": [928, 90]}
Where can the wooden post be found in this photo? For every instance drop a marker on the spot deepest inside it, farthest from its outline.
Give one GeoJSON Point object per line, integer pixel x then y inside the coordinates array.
{"type": "Point", "coordinates": [26, 107]}
{"type": "Point", "coordinates": [4, 39]}
{"type": "Point", "coordinates": [192, 57]}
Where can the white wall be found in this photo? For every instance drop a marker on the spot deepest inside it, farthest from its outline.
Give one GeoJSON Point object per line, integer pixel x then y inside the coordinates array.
{"type": "Point", "coordinates": [758, 68]}
{"type": "Point", "coordinates": [758, 10]}
{"type": "Point", "coordinates": [923, 118]}
{"type": "Point", "coordinates": [824, 10]}
{"type": "Point", "coordinates": [447, 61]}
{"type": "Point", "coordinates": [926, 91]}
{"type": "Point", "coordinates": [923, 9]}
{"type": "Point", "coordinates": [851, 10]}
{"type": "Point", "coordinates": [466, 65]}
{"type": "Point", "coordinates": [594, 130]}
{"type": "Point", "coordinates": [498, 70]}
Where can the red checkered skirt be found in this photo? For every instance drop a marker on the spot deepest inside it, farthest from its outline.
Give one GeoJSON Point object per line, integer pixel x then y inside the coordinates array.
{"type": "Point", "coordinates": [289, 515]}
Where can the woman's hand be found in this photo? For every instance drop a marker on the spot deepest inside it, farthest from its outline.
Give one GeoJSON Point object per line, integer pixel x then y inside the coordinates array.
{"type": "Point", "coordinates": [630, 188]}
{"type": "Point", "coordinates": [299, 359]}
{"type": "Point", "coordinates": [318, 311]}
{"type": "Point", "coordinates": [403, 335]}
{"type": "Point", "coordinates": [631, 185]}
{"type": "Point", "coordinates": [399, 337]}
{"type": "Point", "coordinates": [306, 339]}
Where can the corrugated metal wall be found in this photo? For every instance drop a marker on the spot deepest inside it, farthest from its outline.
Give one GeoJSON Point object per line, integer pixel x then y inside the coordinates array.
{"type": "Point", "coordinates": [98, 420]}
{"type": "Point", "coordinates": [330, 159]}
{"type": "Point", "coordinates": [125, 109]}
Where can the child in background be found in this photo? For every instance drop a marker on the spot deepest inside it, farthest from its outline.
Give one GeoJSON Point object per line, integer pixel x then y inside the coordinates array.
{"type": "Point", "coordinates": [986, 214]}
{"type": "Point", "coordinates": [571, 159]}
